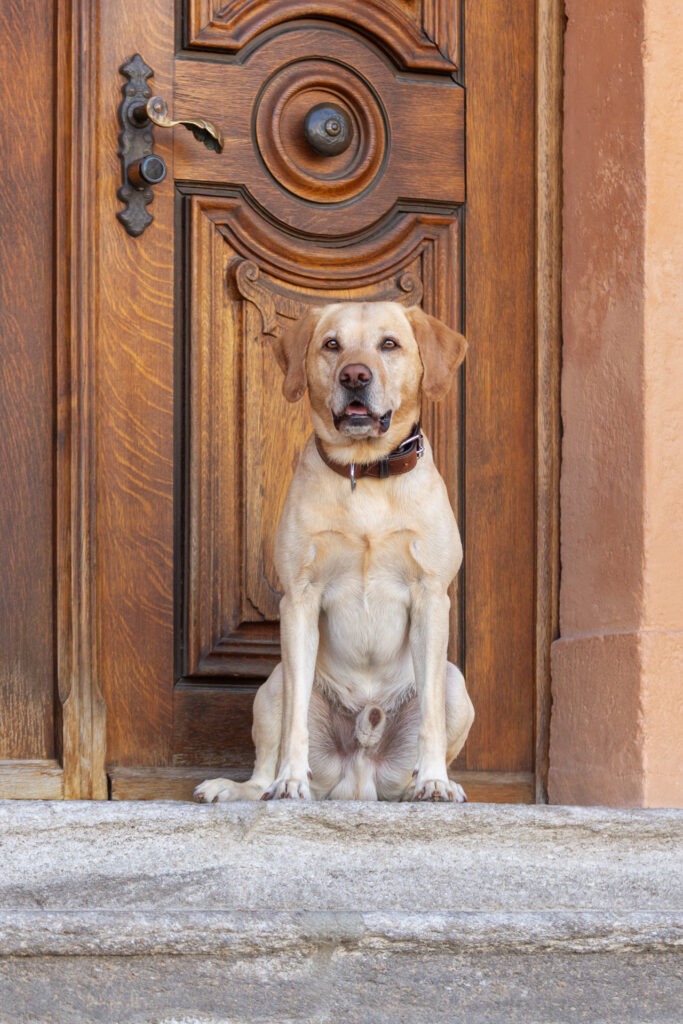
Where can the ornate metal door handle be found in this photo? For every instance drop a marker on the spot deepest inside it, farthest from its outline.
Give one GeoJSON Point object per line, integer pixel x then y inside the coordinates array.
{"type": "Point", "coordinates": [141, 167]}
{"type": "Point", "coordinates": [157, 111]}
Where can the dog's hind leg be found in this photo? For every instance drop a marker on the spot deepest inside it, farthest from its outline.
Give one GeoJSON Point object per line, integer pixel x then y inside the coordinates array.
{"type": "Point", "coordinates": [266, 730]}
{"type": "Point", "coordinates": [459, 718]}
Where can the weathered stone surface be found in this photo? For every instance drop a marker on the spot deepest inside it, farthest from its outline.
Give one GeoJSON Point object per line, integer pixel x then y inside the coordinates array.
{"type": "Point", "coordinates": [337, 856]}
{"type": "Point", "coordinates": [366, 912]}
{"type": "Point", "coordinates": [207, 932]}
{"type": "Point", "coordinates": [339, 985]}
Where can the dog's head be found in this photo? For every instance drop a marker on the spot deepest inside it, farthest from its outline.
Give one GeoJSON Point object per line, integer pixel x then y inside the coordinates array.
{"type": "Point", "coordinates": [366, 366]}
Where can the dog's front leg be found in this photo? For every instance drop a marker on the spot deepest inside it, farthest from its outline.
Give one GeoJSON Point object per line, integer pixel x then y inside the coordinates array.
{"type": "Point", "coordinates": [299, 614]}
{"type": "Point", "coordinates": [429, 647]}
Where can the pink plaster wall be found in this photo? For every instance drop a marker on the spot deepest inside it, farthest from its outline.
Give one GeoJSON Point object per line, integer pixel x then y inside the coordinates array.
{"type": "Point", "coordinates": [663, 291]}
{"type": "Point", "coordinates": [616, 725]}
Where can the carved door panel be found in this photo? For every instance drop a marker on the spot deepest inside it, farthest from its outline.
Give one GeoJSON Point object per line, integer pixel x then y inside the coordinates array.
{"type": "Point", "coordinates": [193, 442]}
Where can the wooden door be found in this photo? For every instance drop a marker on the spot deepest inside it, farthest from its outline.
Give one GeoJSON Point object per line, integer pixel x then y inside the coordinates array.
{"type": "Point", "coordinates": [181, 445]}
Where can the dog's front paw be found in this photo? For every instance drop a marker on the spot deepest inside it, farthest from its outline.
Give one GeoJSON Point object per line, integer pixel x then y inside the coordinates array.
{"type": "Point", "coordinates": [438, 790]}
{"type": "Point", "coordinates": [216, 791]}
{"type": "Point", "coordinates": [288, 789]}
{"type": "Point", "coordinates": [459, 794]}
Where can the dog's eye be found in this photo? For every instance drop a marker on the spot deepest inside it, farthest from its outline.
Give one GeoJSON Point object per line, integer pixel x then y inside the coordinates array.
{"type": "Point", "coordinates": [389, 343]}
{"type": "Point", "coordinates": [331, 344]}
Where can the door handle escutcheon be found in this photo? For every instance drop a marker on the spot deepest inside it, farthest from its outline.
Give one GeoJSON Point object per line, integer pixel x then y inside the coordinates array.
{"type": "Point", "coordinates": [141, 168]}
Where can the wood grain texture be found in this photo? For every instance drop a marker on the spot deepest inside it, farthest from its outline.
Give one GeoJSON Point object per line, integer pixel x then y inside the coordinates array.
{"type": "Point", "coordinates": [162, 783]}
{"type": "Point", "coordinates": [31, 780]}
{"type": "Point", "coordinates": [500, 383]}
{"type": "Point", "coordinates": [179, 783]}
{"type": "Point", "coordinates": [211, 724]}
{"type": "Point", "coordinates": [82, 712]}
{"type": "Point", "coordinates": [134, 412]}
{"type": "Point", "coordinates": [496, 787]}
{"type": "Point", "coordinates": [422, 35]}
{"type": "Point", "coordinates": [27, 676]}
{"type": "Point", "coordinates": [549, 71]}
{"type": "Point", "coordinates": [423, 118]}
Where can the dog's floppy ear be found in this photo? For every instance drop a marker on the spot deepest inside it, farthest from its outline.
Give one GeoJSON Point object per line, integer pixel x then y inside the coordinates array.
{"type": "Point", "coordinates": [441, 350]}
{"type": "Point", "coordinates": [290, 351]}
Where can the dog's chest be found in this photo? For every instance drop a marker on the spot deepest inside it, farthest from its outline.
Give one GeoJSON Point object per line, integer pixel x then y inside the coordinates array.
{"type": "Point", "coordinates": [365, 567]}
{"type": "Point", "coordinates": [365, 591]}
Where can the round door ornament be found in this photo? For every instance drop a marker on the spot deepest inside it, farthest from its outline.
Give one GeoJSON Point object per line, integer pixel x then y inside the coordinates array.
{"type": "Point", "coordinates": [321, 130]}
{"type": "Point", "coordinates": [327, 129]}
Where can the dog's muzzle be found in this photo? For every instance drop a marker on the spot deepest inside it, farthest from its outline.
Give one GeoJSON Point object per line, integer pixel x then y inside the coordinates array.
{"type": "Point", "coordinates": [356, 415]}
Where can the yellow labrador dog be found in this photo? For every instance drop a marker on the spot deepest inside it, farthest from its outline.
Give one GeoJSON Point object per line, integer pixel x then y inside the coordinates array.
{"type": "Point", "coordinates": [364, 704]}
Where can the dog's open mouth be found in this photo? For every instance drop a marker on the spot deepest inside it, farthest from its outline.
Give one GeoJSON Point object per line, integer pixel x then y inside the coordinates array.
{"type": "Point", "coordinates": [357, 418]}
{"type": "Point", "coordinates": [357, 409]}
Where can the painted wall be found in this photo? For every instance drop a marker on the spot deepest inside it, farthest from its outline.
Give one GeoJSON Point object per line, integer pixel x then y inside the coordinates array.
{"type": "Point", "coordinates": [617, 717]}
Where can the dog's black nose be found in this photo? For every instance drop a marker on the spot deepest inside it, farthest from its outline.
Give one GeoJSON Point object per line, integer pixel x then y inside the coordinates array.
{"type": "Point", "coordinates": [355, 375]}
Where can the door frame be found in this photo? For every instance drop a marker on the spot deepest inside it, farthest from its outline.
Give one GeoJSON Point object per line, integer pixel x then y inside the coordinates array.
{"type": "Point", "coordinates": [81, 708]}
{"type": "Point", "coordinates": [550, 22]}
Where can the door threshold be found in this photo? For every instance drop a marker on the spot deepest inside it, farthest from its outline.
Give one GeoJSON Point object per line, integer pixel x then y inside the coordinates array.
{"type": "Point", "coordinates": [178, 783]}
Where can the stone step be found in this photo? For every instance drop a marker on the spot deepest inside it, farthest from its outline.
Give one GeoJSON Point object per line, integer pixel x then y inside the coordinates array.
{"type": "Point", "coordinates": [172, 912]}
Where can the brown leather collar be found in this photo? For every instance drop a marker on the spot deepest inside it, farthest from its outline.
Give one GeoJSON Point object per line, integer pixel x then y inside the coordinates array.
{"type": "Point", "coordinates": [401, 460]}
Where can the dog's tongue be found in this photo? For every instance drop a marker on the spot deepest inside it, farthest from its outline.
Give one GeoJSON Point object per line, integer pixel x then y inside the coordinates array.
{"type": "Point", "coordinates": [356, 409]}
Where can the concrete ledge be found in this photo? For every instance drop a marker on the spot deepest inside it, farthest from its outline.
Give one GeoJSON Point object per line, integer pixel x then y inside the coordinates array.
{"type": "Point", "coordinates": [266, 903]}
{"type": "Point", "coordinates": [123, 873]}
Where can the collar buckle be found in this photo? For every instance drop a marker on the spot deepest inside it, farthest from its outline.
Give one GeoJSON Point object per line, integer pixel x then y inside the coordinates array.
{"type": "Point", "coordinates": [415, 440]}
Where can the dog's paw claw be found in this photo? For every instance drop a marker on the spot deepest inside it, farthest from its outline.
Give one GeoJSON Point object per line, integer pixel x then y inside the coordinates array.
{"type": "Point", "coordinates": [288, 789]}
